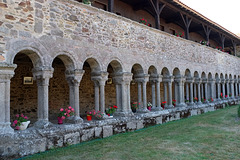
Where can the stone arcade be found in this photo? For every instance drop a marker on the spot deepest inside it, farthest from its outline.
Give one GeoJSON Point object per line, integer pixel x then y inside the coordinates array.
{"type": "Point", "coordinates": [71, 50]}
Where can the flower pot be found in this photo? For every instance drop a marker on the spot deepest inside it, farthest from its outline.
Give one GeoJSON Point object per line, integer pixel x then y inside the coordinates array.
{"type": "Point", "coordinates": [162, 106]}
{"type": "Point", "coordinates": [60, 120]}
{"type": "Point", "coordinates": [24, 125]}
{"type": "Point", "coordinates": [89, 117]}
{"type": "Point", "coordinates": [149, 108]}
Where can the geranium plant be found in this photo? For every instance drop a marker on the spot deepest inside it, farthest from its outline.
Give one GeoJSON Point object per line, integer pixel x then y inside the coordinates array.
{"type": "Point", "coordinates": [144, 21]}
{"type": "Point", "coordinates": [91, 113]}
{"type": "Point", "coordinates": [195, 99]}
{"type": "Point", "coordinates": [111, 110]}
{"type": "Point", "coordinates": [174, 102]}
{"type": "Point", "coordinates": [67, 112]}
{"type": "Point", "coordinates": [163, 104]}
{"type": "Point", "coordinates": [134, 105]}
{"type": "Point", "coordinates": [221, 95]}
{"type": "Point", "coordinates": [20, 118]}
{"type": "Point", "coordinates": [99, 115]}
{"type": "Point", "coordinates": [206, 43]}
{"type": "Point", "coordinates": [210, 99]}
{"type": "Point", "coordinates": [203, 100]}
{"type": "Point", "coordinates": [179, 34]}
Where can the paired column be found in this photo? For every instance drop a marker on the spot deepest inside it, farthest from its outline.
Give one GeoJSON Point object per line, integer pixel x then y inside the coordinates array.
{"type": "Point", "coordinates": [236, 88]}
{"type": "Point", "coordinates": [122, 81]}
{"type": "Point", "coordinates": [179, 81]}
{"type": "Point", "coordinates": [142, 80]}
{"type": "Point", "coordinates": [167, 80]}
{"type": "Point", "coordinates": [100, 79]}
{"type": "Point", "coordinates": [218, 83]}
{"type": "Point", "coordinates": [211, 89]}
{"type": "Point", "coordinates": [223, 88]}
{"type": "Point", "coordinates": [156, 99]}
{"type": "Point", "coordinates": [74, 78]}
{"type": "Point", "coordinates": [7, 72]}
{"type": "Point", "coordinates": [227, 88]}
{"type": "Point", "coordinates": [205, 85]}
{"type": "Point", "coordinates": [42, 76]}
{"type": "Point", "coordinates": [198, 83]}
{"type": "Point", "coordinates": [231, 83]}
{"type": "Point", "coordinates": [189, 81]}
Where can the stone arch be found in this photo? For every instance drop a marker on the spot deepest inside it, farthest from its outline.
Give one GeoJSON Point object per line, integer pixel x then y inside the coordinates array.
{"type": "Point", "coordinates": [188, 73]}
{"type": "Point", "coordinates": [165, 72]}
{"type": "Point", "coordinates": [31, 47]}
{"type": "Point", "coordinates": [209, 75]}
{"type": "Point", "coordinates": [226, 76]}
{"type": "Point", "coordinates": [203, 75]}
{"type": "Point", "coordinates": [230, 76]}
{"type": "Point", "coordinates": [196, 75]}
{"type": "Point", "coordinates": [216, 76]}
{"type": "Point", "coordinates": [116, 66]}
{"type": "Point", "coordinates": [176, 72]}
{"type": "Point", "coordinates": [137, 69]}
{"type": "Point", "coordinates": [94, 64]}
{"type": "Point", "coordinates": [67, 60]}
{"type": "Point", "coordinates": [221, 76]}
{"type": "Point", "coordinates": [152, 70]}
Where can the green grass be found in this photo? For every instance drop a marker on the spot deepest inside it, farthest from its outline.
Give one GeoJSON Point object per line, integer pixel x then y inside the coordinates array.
{"type": "Point", "coordinates": [214, 135]}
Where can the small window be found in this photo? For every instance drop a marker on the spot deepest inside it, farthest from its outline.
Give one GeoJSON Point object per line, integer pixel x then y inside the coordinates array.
{"type": "Point", "coordinates": [162, 28]}
{"type": "Point", "coordinates": [99, 5]}
{"type": "Point", "coordinates": [172, 31]}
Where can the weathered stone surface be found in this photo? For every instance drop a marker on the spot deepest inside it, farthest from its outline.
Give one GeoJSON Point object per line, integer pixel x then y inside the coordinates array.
{"type": "Point", "coordinates": [56, 32]}
{"type": "Point", "coordinates": [38, 27]}
{"type": "Point", "coordinates": [158, 120]}
{"type": "Point", "coordinates": [140, 125]}
{"type": "Point", "coordinates": [3, 5]}
{"type": "Point", "coordinates": [54, 141]}
{"type": "Point", "coordinates": [194, 112]}
{"type": "Point", "coordinates": [107, 131]}
{"type": "Point", "coordinates": [73, 18]}
{"type": "Point", "coordinates": [71, 138]}
{"type": "Point", "coordinates": [39, 13]}
{"type": "Point", "coordinates": [98, 132]}
{"type": "Point", "coordinates": [10, 17]}
{"type": "Point", "coordinates": [131, 126]}
{"type": "Point", "coordinates": [25, 34]}
{"type": "Point", "coordinates": [87, 134]}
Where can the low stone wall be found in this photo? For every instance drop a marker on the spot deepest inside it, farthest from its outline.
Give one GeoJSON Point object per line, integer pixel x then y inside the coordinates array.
{"type": "Point", "coordinates": [33, 140]}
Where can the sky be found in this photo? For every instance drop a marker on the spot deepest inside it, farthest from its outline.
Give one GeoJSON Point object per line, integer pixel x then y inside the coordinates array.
{"type": "Point", "coordinates": [224, 12]}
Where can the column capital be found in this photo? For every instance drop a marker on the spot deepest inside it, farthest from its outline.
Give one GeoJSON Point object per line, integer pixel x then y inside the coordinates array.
{"type": "Point", "coordinates": [236, 80]}
{"type": "Point", "coordinates": [204, 80]}
{"type": "Point", "coordinates": [231, 81]}
{"type": "Point", "coordinates": [211, 80]}
{"type": "Point", "coordinates": [168, 78]}
{"type": "Point", "coordinates": [223, 81]}
{"type": "Point", "coordinates": [218, 80]}
{"type": "Point", "coordinates": [197, 80]}
{"type": "Point", "coordinates": [155, 78]}
{"type": "Point", "coordinates": [179, 79]}
{"type": "Point", "coordinates": [189, 79]}
{"type": "Point", "coordinates": [227, 80]}
{"type": "Point", "coordinates": [42, 74]}
{"type": "Point", "coordinates": [6, 71]}
{"type": "Point", "coordinates": [74, 76]}
{"type": "Point", "coordinates": [144, 78]}
{"type": "Point", "coordinates": [101, 77]}
{"type": "Point", "coordinates": [122, 78]}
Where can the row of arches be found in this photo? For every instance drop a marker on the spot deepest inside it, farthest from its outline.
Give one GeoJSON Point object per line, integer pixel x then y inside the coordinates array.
{"type": "Point", "coordinates": [61, 84]}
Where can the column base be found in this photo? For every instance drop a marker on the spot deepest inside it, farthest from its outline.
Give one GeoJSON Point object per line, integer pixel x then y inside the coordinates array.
{"type": "Point", "coordinates": [199, 103]}
{"type": "Point", "coordinates": [191, 104]}
{"type": "Point", "coordinates": [42, 124]}
{"type": "Point", "coordinates": [75, 120]}
{"type": "Point", "coordinates": [169, 106]}
{"type": "Point", "coordinates": [157, 108]}
{"type": "Point", "coordinates": [5, 128]}
{"type": "Point", "coordinates": [181, 105]}
{"type": "Point", "coordinates": [123, 114]}
{"type": "Point", "coordinates": [143, 110]}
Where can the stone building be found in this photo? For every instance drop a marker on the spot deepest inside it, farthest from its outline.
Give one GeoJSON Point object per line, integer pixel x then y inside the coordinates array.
{"type": "Point", "coordinates": [92, 57]}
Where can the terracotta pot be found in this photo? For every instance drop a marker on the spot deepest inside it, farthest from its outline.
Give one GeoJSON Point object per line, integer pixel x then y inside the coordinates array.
{"type": "Point", "coordinates": [89, 117]}
{"type": "Point", "coordinates": [60, 120]}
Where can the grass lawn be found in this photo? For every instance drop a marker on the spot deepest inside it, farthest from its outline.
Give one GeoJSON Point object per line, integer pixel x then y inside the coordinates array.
{"type": "Point", "coordinates": [214, 135]}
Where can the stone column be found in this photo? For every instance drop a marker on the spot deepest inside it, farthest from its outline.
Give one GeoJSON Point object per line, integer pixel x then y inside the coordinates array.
{"type": "Point", "coordinates": [223, 87]}
{"type": "Point", "coordinates": [190, 80]}
{"type": "Point", "coordinates": [142, 79]}
{"type": "Point", "coordinates": [198, 82]}
{"type": "Point", "coordinates": [238, 86]}
{"type": "Point", "coordinates": [194, 90]}
{"type": "Point", "coordinates": [168, 80]}
{"type": "Point", "coordinates": [165, 91]}
{"type": "Point", "coordinates": [179, 80]}
{"type": "Point", "coordinates": [6, 73]}
{"type": "Point", "coordinates": [228, 88]}
{"type": "Point", "coordinates": [153, 83]}
{"type": "Point", "coordinates": [140, 93]}
{"type": "Point", "coordinates": [101, 77]}
{"type": "Point", "coordinates": [205, 84]}
{"type": "Point", "coordinates": [218, 89]}
{"type": "Point", "coordinates": [202, 93]}
{"type": "Point", "coordinates": [159, 79]}
{"type": "Point", "coordinates": [187, 91]}
{"type": "Point", "coordinates": [231, 83]}
{"type": "Point", "coordinates": [123, 80]}
{"type": "Point", "coordinates": [96, 95]}
{"type": "Point", "coordinates": [42, 75]}
{"type": "Point", "coordinates": [211, 89]}
{"type": "Point", "coordinates": [73, 78]}
{"type": "Point", "coordinates": [236, 90]}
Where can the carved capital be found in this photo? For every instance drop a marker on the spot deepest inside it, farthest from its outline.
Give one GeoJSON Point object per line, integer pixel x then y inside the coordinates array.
{"type": "Point", "coordinates": [168, 79]}
{"type": "Point", "coordinates": [74, 77]}
{"type": "Point", "coordinates": [42, 75]}
{"type": "Point", "coordinates": [122, 78]}
{"type": "Point", "coordinates": [143, 78]}
{"type": "Point", "coordinates": [101, 77]}
{"type": "Point", "coordinates": [6, 71]}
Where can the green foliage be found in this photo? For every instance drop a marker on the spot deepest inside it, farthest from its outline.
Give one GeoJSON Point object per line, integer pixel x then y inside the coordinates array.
{"type": "Point", "coordinates": [86, 1]}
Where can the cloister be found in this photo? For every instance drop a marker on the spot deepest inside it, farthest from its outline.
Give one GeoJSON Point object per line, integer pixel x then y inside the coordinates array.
{"type": "Point", "coordinates": [82, 56]}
